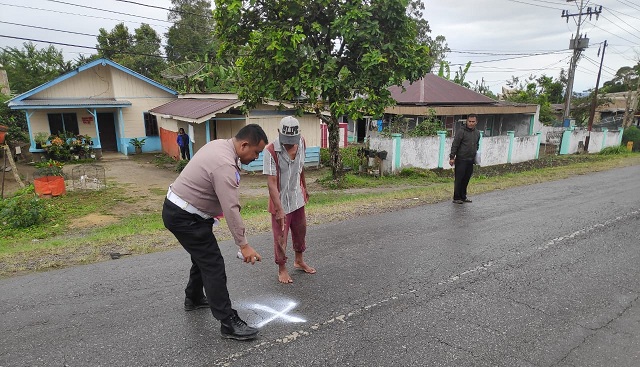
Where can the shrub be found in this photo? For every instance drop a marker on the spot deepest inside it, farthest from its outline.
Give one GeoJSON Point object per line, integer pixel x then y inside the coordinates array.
{"type": "Point", "coordinates": [325, 156]}
{"type": "Point", "coordinates": [632, 133]}
{"type": "Point", "coordinates": [181, 165]}
{"type": "Point", "coordinates": [24, 209]}
{"type": "Point", "coordinates": [66, 145]}
{"type": "Point", "coordinates": [619, 149]}
{"type": "Point", "coordinates": [349, 156]}
{"type": "Point", "coordinates": [49, 168]}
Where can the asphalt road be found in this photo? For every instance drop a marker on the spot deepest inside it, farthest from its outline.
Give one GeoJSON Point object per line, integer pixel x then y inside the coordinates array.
{"type": "Point", "coordinates": [542, 275]}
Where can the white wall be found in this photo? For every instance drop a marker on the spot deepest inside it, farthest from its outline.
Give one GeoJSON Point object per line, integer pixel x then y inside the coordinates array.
{"type": "Point", "coordinates": [420, 152]}
{"type": "Point", "coordinates": [425, 152]}
{"type": "Point", "coordinates": [524, 148]}
{"type": "Point", "coordinates": [495, 150]}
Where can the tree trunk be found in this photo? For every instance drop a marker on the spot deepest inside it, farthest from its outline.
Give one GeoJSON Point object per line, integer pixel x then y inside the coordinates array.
{"type": "Point", "coordinates": [631, 107]}
{"type": "Point", "coordinates": [335, 160]}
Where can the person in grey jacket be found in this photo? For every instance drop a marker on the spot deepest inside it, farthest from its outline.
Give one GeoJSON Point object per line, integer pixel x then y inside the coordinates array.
{"type": "Point", "coordinates": [463, 153]}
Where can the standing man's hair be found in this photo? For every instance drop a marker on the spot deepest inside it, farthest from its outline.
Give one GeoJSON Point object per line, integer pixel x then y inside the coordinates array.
{"type": "Point", "coordinates": [252, 133]}
{"type": "Point", "coordinates": [472, 115]}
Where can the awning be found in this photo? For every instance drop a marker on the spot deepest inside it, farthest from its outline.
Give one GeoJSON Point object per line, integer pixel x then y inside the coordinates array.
{"type": "Point", "coordinates": [195, 110]}
{"type": "Point", "coordinates": [41, 104]}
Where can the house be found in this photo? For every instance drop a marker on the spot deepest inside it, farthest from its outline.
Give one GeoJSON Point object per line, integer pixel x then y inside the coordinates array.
{"type": "Point", "coordinates": [609, 115]}
{"type": "Point", "coordinates": [206, 117]}
{"type": "Point", "coordinates": [452, 103]}
{"type": "Point", "coordinates": [103, 100]}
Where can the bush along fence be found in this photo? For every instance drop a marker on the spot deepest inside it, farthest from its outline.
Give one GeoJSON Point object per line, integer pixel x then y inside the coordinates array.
{"type": "Point", "coordinates": [433, 151]}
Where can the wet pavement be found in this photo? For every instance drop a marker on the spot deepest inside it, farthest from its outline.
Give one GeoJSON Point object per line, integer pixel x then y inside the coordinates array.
{"type": "Point", "coordinates": [542, 275]}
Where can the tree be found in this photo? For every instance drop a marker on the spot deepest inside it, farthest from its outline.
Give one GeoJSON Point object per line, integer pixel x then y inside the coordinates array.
{"type": "Point", "coordinates": [581, 107]}
{"type": "Point", "coordinates": [626, 78]}
{"type": "Point", "coordinates": [483, 89]}
{"type": "Point", "coordinates": [541, 90]}
{"type": "Point", "coordinates": [461, 74]}
{"type": "Point", "coordinates": [191, 34]}
{"type": "Point", "coordinates": [115, 45]}
{"type": "Point", "coordinates": [147, 58]}
{"type": "Point", "coordinates": [438, 47]}
{"type": "Point", "coordinates": [30, 67]}
{"type": "Point", "coordinates": [328, 55]}
{"type": "Point", "coordinates": [139, 52]}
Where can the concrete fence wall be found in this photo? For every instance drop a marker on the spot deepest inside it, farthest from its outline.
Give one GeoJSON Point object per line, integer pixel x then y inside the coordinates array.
{"type": "Point", "coordinates": [433, 151]}
{"type": "Point", "coordinates": [573, 140]}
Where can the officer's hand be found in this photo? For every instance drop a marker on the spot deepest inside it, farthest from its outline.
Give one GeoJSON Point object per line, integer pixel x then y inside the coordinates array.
{"type": "Point", "coordinates": [249, 254]}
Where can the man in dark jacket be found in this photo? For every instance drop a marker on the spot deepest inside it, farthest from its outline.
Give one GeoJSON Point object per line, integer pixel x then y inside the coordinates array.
{"type": "Point", "coordinates": [463, 153]}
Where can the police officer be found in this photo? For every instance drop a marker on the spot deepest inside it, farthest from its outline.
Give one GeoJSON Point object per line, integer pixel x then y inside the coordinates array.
{"type": "Point", "coordinates": [207, 188]}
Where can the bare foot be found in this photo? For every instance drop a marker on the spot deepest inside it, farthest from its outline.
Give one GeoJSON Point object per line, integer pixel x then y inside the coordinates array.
{"type": "Point", "coordinates": [283, 275]}
{"type": "Point", "coordinates": [304, 267]}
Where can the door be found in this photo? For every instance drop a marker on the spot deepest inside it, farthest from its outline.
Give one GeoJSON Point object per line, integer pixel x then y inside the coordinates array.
{"type": "Point", "coordinates": [107, 130]}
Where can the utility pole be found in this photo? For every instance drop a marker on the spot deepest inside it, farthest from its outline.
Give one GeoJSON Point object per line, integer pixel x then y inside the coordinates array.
{"type": "Point", "coordinates": [577, 44]}
{"type": "Point", "coordinates": [594, 102]}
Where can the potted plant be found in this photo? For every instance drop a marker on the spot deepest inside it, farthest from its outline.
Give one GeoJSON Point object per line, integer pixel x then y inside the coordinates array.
{"type": "Point", "coordinates": [49, 178]}
{"type": "Point", "coordinates": [41, 139]}
{"type": "Point", "coordinates": [137, 144]}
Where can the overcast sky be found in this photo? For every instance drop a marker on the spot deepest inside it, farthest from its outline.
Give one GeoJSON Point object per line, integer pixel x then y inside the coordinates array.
{"type": "Point", "coordinates": [502, 38]}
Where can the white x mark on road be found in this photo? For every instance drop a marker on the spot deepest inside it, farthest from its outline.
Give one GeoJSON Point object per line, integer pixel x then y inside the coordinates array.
{"type": "Point", "coordinates": [278, 314]}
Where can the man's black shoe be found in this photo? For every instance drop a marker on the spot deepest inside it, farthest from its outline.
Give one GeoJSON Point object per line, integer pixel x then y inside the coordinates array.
{"type": "Point", "coordinates": [234, 328]}
{"type": "Point", "coordinates": [191, 305]}
{"type": "Point", "coordinates": [467, 201]}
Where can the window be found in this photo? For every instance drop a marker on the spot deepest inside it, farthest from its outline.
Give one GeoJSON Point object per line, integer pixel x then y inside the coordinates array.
{"type": "Point", "coordinates": [63, 123]}
{"type": "Point", "coordinates": [150, 124]}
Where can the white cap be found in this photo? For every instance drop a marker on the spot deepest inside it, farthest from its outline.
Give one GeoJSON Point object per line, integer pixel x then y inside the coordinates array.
{"type": "Point", "coordinates": [289, 130]}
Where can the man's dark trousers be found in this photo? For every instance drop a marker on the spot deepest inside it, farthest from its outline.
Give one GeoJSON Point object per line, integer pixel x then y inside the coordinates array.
{"type": "Point", "coordinates": [463, 170]}
{"type": "Point", "coordinates": [195, 234]}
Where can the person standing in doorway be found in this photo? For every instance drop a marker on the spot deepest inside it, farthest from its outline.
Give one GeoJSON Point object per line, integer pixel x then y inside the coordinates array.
{"type": "Point", "coordinates": [284, 165]}
{"type": "Point", "coordinates": [463, 153]}
{"type": "Point", "coordinates": [206, 189]}
{"type": "Point", "coordinates": [183, 143]}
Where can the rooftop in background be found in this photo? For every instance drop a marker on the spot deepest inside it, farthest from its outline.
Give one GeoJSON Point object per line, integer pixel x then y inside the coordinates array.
{"type": "Point", "coordinates": [434, 90]}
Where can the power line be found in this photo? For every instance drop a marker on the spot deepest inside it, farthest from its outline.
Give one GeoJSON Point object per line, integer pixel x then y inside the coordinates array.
{"type": "Point", "coordinates": [80, 46]}
{"type": "Point", "coordinates": [109, 11]}
{"type": "Point", "coordinates": [506, 53]}
{"type": "Point", "coordinates": [167, 9]}
{"type": "Point", "coordinates": [541, 6]}
{"type": "Point", "coordinates": [543, 68]}
{"type": "Point", "coordinates": [50, 29]}
{"type": "Point", "coordinates": [513, 58]}
{"type": "Point", "coordinates": [631, 5]}
{"type": "Point", "coordinates": [619, 12]}
{"type": "Point", "coordinates": [611, 33]}
{"type": "Point", "coordinates": [616, 24]}
{"type": "Point", "coordinates": [82, 15]}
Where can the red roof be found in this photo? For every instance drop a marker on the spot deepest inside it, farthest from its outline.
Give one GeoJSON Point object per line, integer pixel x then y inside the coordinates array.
{"type": "Point", "coordinates": [194, 108]}
{"type": "Point", "coordinates": [434, 90]}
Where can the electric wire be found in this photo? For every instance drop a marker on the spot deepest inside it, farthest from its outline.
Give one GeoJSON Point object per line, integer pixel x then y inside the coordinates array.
{"type": "Point", "coordinates": [541, 6]}
{"type": "Point", "coordinates": [80, 46]}
{"type": "Point", "coordinates": [82, 15]}
{"type": "Point", "coordinates": [108, 11]}
{"type": "Point", "coordinates": [616, 24]}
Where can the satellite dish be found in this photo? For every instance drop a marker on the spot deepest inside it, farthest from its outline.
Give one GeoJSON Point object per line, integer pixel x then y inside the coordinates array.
{"type": "Point", "coordinates": [183, 70]}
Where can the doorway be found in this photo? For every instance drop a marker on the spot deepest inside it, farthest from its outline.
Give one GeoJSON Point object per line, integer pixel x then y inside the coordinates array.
{"type": "Point", "coordinates": [107, 131]}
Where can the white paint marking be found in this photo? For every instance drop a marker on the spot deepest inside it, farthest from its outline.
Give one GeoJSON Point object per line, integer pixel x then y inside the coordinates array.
{"type": "Point", "coordinates": [277, 314]}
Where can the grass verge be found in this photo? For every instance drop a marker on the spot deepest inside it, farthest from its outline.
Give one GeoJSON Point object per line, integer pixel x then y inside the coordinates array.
{"type": "Point", "coordinates": [58, 244]}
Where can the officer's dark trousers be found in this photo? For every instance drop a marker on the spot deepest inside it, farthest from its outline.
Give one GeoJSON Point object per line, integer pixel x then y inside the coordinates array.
{"type": "Point", "coordinates": [463, 170]}
{"type": "Point", "coordinates": [195, 234]}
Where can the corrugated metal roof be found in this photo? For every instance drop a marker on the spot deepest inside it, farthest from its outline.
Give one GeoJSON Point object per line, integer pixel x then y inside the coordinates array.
{"type": "Point", "coordinates": [68, 103]}
{"type": "Point", "coordinates": [434, 90]}
{"type": "Point", "coordinates": [195, 108]}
